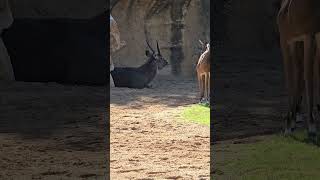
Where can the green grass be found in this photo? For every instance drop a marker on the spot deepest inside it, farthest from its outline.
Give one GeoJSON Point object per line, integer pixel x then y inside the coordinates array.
{"type": "Point", "coordinates": [274, 157]}
{"type": "Point", "coordinates": [197, 114]}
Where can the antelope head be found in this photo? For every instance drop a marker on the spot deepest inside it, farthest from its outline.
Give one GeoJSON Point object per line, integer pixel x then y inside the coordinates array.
{"type": "Point", "coordinates": [157, 56]}
{"type": "Point", "coordinates": [204, 46]}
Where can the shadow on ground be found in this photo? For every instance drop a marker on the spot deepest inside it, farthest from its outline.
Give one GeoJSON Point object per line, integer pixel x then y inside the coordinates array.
{"type": "Point", "coordinates": [53, 131]}
{"type": "Point", "coordinates": [249, 95]}
{"type": "Point", "coordinates": [166, 90]}
{"type": "Point", "coordinates": [49, 110]}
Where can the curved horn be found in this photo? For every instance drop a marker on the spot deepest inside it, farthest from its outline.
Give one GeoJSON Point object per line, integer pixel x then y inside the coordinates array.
{"type": "Point", "coordinates": [149, 46]}
{"type": "Point", "coordinates": [201, 42]}
{"type": "Point", "coordinates": [158, 48]}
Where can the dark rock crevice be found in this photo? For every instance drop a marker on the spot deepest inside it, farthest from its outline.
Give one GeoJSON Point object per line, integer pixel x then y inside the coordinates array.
{"type": "Point", "coordinates": [59, 50]}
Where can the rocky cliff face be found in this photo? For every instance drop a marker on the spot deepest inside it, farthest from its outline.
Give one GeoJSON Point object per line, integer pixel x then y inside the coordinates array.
{"type": "Point", "coordinates": [177, 25]}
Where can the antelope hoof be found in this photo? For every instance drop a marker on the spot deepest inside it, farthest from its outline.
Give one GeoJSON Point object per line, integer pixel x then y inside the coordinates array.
{"type": "Point", "coordinates": [287, 131]}
{"type": "Point", "coordinates": [149, 86]}
{"type": "Point", "coordinates": [312, 128]}
{"type": "Point", "coordinates": [208, 100]}
{"type": "Point", "coordinates": [204, 101]}
{"type": "Point", "coordinates": [299, 118]}
{"type": "Point", "coordinates": [312, 137]}
{"type": "Point", "coordinates": [293, 126]}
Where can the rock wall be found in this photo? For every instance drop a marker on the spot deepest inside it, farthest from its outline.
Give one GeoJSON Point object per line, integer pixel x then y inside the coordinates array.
{"type": "Point", "coordinates": [251, 27]}
{"type": "Point", "coordinates": [177, 25]}
{"type": "Point", "coordinates": [80, 9]}
{"type": "Point", "coordinates": [56, 40]}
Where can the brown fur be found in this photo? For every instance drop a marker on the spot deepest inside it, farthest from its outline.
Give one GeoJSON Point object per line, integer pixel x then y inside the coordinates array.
{"type": "Point", "coordinates": [203, 74]}
{"type": "Point", "coordinates": [298, 21]}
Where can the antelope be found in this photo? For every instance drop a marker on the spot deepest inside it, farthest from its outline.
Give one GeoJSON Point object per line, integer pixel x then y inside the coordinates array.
{"type": "Point", "coordinates": [140, 77]}
{"type": "Point", "coordinates": [299, 21]}
{"type": "Point", "coordinates": [203, 73]}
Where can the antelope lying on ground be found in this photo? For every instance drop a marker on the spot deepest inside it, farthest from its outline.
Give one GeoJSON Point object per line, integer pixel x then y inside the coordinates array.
{"type": "Point", "coordinates": [203, 74]}
{"type": "Point", "coordinates": [140, 77]}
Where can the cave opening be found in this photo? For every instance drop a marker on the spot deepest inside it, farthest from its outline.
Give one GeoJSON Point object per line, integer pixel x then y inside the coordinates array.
{"type": "Point", "coordinates": [62, 50]}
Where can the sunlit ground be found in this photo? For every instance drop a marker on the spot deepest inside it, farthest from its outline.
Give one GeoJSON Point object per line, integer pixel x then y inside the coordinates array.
{"type": "Point", "coordinates": [149, 137]}
{"type": "Point", "coordinates": [269, 157]}
{"type": "Point", "coordinates": [197, 113]}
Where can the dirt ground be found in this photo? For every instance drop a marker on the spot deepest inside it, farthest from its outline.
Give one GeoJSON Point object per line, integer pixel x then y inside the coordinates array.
{"type": "Point", "coordinates": [51, 131]}
{"type": "Point", "coordinates": [149, 139]}
{"type": "Point", "coordinates": [250, 100]}
{"type": "Point", "coordinates": [250, 97]}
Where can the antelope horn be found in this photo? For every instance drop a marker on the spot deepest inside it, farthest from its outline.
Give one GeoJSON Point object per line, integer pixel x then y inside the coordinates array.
{"type": "Point", "coordinates": [149, 46]}
{"type": "Point", "coordinates": [158, 48]}
{"type": "Point", "coordinates": [201, 42]}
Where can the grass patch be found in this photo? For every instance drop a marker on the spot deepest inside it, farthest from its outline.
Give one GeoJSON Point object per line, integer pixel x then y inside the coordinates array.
{"type": "Point", "coordinates": [274, 157]}
{"type": "Point", "coordinates": [198, 114]}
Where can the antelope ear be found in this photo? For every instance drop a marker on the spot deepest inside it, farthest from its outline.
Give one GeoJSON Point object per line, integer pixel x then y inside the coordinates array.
{"type": "Point", "coordinates": [148, 54]}
{"type": "Point", "coordinates": [201, 43]}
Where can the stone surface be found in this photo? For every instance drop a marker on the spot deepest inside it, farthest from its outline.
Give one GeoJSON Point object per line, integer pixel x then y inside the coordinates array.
{"type": "Point", "coordinates": [250, 27]}
{"type": "Point", "coordinates": [177, 25]}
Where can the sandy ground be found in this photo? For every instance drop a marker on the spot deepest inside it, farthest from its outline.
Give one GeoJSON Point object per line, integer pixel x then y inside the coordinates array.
{"type": "Point", "coordinates": [150, 140]}
{"type": "Point", "coordinates": [250, 97]}
{"type": "Point", "coordinates": [51, 131]}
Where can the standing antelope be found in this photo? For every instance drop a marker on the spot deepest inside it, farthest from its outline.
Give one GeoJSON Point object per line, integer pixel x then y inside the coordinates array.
{"type": "Point", "coordinates": [203, 73]}
{"type": "Point", "coordinates": [299, 21]}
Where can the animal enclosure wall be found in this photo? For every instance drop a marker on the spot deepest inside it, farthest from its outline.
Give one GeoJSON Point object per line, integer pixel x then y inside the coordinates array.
{"type": "Point", "coordinates": [250, 28]}
{"type": "Point", "coordinates": [177, 25]}
{"type": "Point", "coordinates": [61, 41]}
{"type": "Point", "coordinates": [84, 9]}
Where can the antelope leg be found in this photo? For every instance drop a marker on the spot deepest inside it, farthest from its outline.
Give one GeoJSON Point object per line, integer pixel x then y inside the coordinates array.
{"type": "Point", "coordinates": [288, 80]}
{"type": "Point", "coordinates": [309, 49]}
